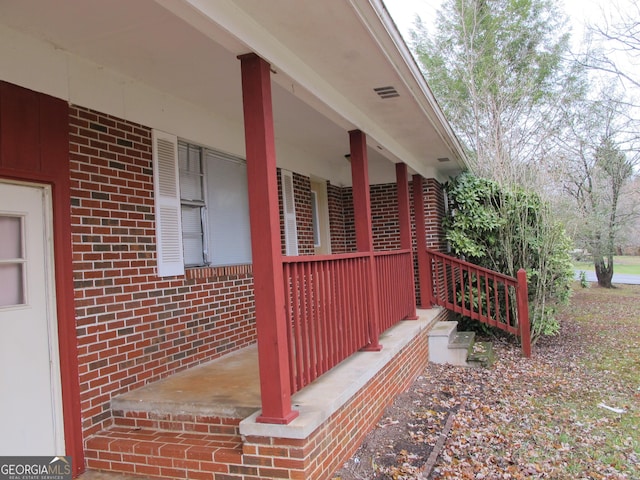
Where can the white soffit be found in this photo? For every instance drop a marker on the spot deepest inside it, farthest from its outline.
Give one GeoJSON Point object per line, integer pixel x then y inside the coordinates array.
{"type": "Point", "coordinates": [333, 71]}
{"type": "Point", "coordinates": [328, 56]}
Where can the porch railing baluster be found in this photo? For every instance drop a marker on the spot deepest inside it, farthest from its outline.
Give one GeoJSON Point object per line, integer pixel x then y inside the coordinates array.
{"type": "Point", "coordinates": [328, 306]}
{"type": "Point", "coordinates": [456, 288]}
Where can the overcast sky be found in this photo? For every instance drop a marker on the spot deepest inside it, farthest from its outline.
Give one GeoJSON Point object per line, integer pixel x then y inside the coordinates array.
{"type": "Point", "coordinates": [404, 12]}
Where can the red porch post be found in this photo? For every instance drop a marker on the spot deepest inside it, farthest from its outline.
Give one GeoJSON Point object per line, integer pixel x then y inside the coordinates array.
{"type": "Point", "coordinates": [425, 280]}
{"type": "Point", "coordinates": [522, 296]}
{"type": "Point", "coordinates": [404, 219]}
{"type": "Point", "coordinates": [364, 233]}
{"type": "Point", "coordinates": [268, 280]}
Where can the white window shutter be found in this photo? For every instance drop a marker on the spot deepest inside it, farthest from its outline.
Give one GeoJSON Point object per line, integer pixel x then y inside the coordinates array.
{"type": "Point", "coordinates": [167, 204]}
{"type": "Point", "coordinates": [289, 207]}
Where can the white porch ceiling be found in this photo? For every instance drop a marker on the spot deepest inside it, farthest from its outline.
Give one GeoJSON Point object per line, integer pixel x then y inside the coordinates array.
{"type": "Point", "coordinates": [328, 56]}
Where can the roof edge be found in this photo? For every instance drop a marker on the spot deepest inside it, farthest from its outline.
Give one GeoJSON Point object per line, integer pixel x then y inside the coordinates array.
{"type": "Point", "coordinates": [440, 123]}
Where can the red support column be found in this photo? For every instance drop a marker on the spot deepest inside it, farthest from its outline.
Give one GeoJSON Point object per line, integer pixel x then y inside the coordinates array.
{"type": "Point", "coordinates": [425, 280]}
{"type": "Point", "coordinates": [523, 313]}
{"type": "Point", "coordinates": [404, 219]}
{"type": "Point", "coordinates": [364, 233]}
{"type": "Point", "coordinates": [268, 280]}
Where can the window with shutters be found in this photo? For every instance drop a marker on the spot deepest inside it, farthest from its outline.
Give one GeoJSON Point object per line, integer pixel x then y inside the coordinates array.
{"type": "Point", "coordinates": [202, 205]}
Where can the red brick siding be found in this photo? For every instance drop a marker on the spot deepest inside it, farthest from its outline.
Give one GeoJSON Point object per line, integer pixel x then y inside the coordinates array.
{"type": "Point", "coordinates": [434, 211]}
{"type": "Point", "coordinates": [384, 217]}
{"type": "Point", "coordinates": [336, 218]}
{"type": "Point", "coordinates": [304, 218]}
{"type": "Point", "coordinates": [349, 220]}
{"type": "Point", "coordinates": [134, 327]}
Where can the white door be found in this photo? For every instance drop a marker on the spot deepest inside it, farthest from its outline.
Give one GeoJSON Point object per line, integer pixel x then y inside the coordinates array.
{"type": "Point", "coordinates": [30, 391]}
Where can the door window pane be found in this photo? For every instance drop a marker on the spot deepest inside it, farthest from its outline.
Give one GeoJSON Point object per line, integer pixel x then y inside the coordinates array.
{"type": "Point", "coordinates": [11, 281]}
{"type": "Point", "coordinates": [11, 261]}
{"type": "Point", "coordinates": [10, 238]}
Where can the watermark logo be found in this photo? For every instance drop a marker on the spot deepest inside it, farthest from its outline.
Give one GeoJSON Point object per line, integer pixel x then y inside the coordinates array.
{"type": "Point", "coordinates": [35, 468]}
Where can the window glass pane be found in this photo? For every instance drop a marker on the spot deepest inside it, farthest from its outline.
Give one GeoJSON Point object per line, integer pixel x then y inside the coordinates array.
{"type": "Point", "coordinates": [183, 157]}
{"type": "Point", "coordinates": [190, 186]}
{"type": "Point", "coordinates": [228, 211]}
{"type": "Point", "coordinates": [11, 292]}
{"type": "Point", "coordinates": [195, 155]}
{"type": "Point", "coordinates": [191, 174]}
{"type": "Point", "coordinates": [192, 251]}
{"type": "Point", "coordinates": [192, 235]}
{"type": "Point", "coordinates": [10, 238]}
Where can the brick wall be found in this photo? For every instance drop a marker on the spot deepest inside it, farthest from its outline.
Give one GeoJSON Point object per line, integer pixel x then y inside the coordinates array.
{"type": "Point", "coordinates": [335, 203]}
{"type": "Point", "coordinates": [384, 216]}
{"type": "Point", "coordinates": [434, 211]}
{"type": "Point", "coordinates": [384, 219]}
{"type": "Point", "coordinates": [304, 217]}
{"type": "Point", "coordinates": [134, 327]}
{"type": "Point", "coordinates": [349, 220]}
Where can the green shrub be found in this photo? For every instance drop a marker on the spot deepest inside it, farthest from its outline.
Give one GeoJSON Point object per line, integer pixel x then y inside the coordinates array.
{"type": "Point", "coordinates": [505, 229]}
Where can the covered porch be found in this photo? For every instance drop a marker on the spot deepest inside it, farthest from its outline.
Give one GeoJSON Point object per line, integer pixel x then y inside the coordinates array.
{"type": "Point", "coordinates": [344, 85]}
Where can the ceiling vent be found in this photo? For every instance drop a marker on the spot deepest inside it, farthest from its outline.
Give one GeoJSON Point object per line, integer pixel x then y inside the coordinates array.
{"type": "Point", "coordinates": [386, 92]}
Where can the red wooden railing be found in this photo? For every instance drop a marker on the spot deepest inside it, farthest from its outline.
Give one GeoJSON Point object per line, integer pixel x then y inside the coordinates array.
{"type": "Point", "coordinates": [328, 301]}
{"type": "Point", "coordinates": [396, 296]}
{"type": "Point", "coordinates": [480, 294]}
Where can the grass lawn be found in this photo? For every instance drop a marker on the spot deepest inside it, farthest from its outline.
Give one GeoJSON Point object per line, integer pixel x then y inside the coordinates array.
{"type": "Point", "coordinates": [608, 322]}
{"type": "Point", "coordinates": [621, 264]}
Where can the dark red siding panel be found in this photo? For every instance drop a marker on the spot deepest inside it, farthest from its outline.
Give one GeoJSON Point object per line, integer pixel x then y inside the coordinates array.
{"type": "Point", "coordinates": [34, 147]}
{"type": "Point", "coordinates": [54, 137]}
{"type": "Point", "coordinates": [20, 139]}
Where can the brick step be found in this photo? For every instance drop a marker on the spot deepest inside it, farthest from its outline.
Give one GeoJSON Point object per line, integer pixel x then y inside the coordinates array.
{"type": "Point", "coordinates": [176, 422]}
{"type": "Point", "coordinates": [164, 454]}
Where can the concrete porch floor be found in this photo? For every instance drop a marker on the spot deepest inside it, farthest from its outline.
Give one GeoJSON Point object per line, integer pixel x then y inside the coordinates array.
{"type": "Point", "coordinates": [226, 387]}
{"type": "Point", "coordinates": [229, 386]}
